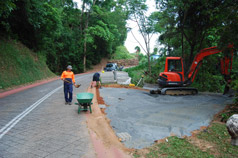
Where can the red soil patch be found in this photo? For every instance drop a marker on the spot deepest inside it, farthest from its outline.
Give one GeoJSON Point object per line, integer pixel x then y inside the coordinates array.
{"type": "Point", "coordinates": [124, 86]}
{"type": "Point", "coordinates": [99, 98]}
{"type": "Point", "coordinates": [229, 110]}
{"type": "Point", "coordinates": [16, 89]}
{"type": "Point", "coordinates": [99, 67]}
{"type": "Point", "coordinates": [105, 141]}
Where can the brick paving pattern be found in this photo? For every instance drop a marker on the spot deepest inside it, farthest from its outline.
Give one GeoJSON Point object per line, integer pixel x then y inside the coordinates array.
{"type": "Point", "coordinates": [51, 130]}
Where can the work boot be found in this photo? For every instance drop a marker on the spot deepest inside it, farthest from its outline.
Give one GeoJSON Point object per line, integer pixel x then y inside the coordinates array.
{"type": "Point", "coordinates": [70, 103]}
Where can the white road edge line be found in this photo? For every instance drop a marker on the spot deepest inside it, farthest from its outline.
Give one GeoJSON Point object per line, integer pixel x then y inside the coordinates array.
{"type": "Point", "coordinates": [2, 129]}
{"type": "Point", "coordinates": [14, 121]}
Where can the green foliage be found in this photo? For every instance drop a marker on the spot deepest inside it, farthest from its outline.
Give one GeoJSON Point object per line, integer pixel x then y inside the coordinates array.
{"type": "Point", "coordinates": [176, 147]}
{"type": "Point", "coordinates": [122, 53]}
{"type": "Point", "coordinates": [137, 48]}
{"type": "Point", "coordinates": [209, 77]}
{"type": "Point", "coordinates": [136, 72]}
{"type": "Point", "coordinates": [156, 68]}
{"type": "Point", "coordinates": [235, 88]}
{"type": "Point", "coordinates": [6, 7]}
{"type": "Point", "coordinates": [107, 30]}
{"type": "Point", "coordinates": [234, 83]}
{"type": "Point", "coordinates": [231, 109]}
{"type": "Point", "coordinates": [201, 23]}
{"type": "Point", "coordinates": [57, 29]}
{"type": "Point", "coordinates": [20, 65]}
{"type": "Point", "coordinates": [218, 134]}
{"type": "Point", "coordinates": [135, 155]}
{"type": "Point", "coordinates": [225, 116]}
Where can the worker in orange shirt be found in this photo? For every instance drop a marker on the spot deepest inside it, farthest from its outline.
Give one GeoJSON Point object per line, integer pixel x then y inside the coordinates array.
{"type": "Point", "coordinates": [68, 78]}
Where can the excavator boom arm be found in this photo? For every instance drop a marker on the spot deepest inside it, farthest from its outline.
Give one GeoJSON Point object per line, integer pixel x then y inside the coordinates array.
{"type": "Point", "coordinates": [198, 60]}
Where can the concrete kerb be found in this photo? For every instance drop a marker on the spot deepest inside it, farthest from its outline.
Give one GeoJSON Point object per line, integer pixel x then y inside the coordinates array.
{"type": "Point", "coordinates": [105, 141]}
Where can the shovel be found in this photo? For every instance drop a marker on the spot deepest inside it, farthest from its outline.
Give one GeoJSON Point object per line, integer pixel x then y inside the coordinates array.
{"type": "Point", "coordinates": [75, 85]}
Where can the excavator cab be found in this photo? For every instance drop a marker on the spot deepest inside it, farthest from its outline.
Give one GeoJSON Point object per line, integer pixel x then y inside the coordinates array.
{"type": "Point", "coordinates": [173, 74]}
{"type": "Point", "coordinates": [174, 65]}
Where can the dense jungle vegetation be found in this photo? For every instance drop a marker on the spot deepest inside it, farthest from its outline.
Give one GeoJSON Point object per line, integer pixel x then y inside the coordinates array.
{"type": "Point", "coordinates": [63, 32]}
{"type": "Point", "coordinates": [66, 33]}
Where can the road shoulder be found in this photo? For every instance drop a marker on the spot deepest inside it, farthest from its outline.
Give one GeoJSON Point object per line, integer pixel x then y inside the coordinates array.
{"type": "Point", "coordinates": [105, 141]}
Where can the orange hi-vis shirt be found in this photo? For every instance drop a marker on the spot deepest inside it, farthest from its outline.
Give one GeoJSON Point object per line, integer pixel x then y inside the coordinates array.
{"type": "Point", "coordinates": [68, 74]}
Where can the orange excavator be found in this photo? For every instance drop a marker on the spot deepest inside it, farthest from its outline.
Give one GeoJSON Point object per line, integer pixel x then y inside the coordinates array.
{"type": "Point", "coordinates": [173, 81]}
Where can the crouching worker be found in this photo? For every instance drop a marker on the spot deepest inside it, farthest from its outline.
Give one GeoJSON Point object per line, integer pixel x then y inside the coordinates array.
{"type": "Point", "coordinates": [68, 78]}
{"type": "Point", "coordinates": [96, 80]}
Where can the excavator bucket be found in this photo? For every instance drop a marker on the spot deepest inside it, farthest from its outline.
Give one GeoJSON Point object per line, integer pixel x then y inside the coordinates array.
{"type": "Point", "coordinates": [226, 67]}
{"type": "Point", "coordinates": [228, 90]}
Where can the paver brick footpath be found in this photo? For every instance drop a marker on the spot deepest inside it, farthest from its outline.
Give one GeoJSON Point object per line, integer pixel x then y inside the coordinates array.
{"type": "Point", "coordinates": [51, 130]}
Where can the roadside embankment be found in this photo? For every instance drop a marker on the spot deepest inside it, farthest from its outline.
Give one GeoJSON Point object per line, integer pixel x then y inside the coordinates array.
{"type": "Point", "coordinates": [19, 65]}
{"type": "Point", "coordinates": [125, 62]}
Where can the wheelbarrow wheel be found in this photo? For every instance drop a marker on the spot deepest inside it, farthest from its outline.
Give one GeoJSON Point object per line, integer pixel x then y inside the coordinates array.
{"type": "Point", "coordinates": [85, 107]}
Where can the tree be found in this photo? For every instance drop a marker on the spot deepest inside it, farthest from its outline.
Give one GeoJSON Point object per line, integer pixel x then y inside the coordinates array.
{"type": "Point", "coordinates": [6, 7]}
{"type": "Point", "coordinates": [155, 51]}
{"type": "Point", "coordinates": [138, 9]}
{"type": "Point", "coordinates": [104, 28]}
{"type": "Point", "coordinates": [193, 23]}
{"type": "Point", "coordinates": [64, 34]}
{"type": "Point", "coordinates": [137, 48]}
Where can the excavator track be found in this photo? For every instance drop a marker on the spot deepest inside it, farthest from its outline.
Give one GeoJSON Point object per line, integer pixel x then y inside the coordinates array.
{"type": "Point", "coordinates": [179, 91]}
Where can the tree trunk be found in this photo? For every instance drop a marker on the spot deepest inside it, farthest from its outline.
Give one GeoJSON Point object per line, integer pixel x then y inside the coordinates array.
{"type": "Point", "coordinates": [169, 50]}
{"type": "Point", "coordinates": [190, 57]}
{"type": "Point", "coordinates": [182, 44]}
{"type": "Point", "coordinates": [83, 34]}
{"type": "Point", "coordinates": [149, 65]}
{"type": "Point", "coordinates": [85, 37]}
{"type": "Point", "coordinates": [84, 55]}
{"type": "Point", "coordinates": [85, 45]}
{"type": "Point", "coordinates": [183, 56]}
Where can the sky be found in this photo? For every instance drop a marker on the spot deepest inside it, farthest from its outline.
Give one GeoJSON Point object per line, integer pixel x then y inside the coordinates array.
{"type": "Point", "coordinates": [130, 42]}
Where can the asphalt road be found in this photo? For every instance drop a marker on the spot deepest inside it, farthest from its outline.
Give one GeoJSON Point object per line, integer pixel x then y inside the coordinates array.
{"type": "Point", "coordinates": [37, 123]}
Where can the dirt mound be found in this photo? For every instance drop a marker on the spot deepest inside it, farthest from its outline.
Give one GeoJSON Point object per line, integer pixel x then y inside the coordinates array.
{"type": "Point", "coordinates": [125, 62]}
{"type": "Point", "coordinates": [100, 66]}
{"type": "Point", "coordinates": [124, 86]}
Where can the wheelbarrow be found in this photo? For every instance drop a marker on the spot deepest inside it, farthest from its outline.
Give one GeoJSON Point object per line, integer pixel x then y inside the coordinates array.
{"type": "Point", "coordinates": [84, 101]}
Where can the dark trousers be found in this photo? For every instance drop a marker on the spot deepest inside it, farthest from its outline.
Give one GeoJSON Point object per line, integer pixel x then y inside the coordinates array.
{"type": "Point", "coordinates": [68, 90]}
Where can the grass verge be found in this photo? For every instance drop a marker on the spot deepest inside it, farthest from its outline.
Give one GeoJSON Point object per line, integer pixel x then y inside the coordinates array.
{"type": "Point", "coordinates": [214, 142]}
{"type": "Point", "coordinates": [19, 65]}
